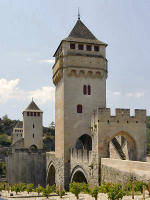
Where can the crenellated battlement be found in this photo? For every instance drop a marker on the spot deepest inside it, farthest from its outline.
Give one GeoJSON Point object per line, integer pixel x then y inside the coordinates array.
{"type": "Point", "coordinates": [104, 114]}
{"type": "Point", "coordinates": [80, 155]}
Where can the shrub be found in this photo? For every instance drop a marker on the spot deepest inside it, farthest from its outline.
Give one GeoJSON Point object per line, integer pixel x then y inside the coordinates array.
{"type": "Point", "coordinates": [138, 186]}
{"type": "Point", "coordinates": [48, 190]}
{"type": "Point", "coordinates": [115, 193]}
{"type": "Point", "coordinates": [105, 187]}
{"type": "Point", "coordinates": [15, 188]}
{"type": "Point", "coordinates": [7, 187]}
{"type": "Point", "coordinates": [60, 192]}
{"type": "Point", "coordinates": [22, 187]}
{"type": "Point", "coordinates": [29, 188]}
{"type": "Point", "coordinates": [85, 188]}
{"type": "Point", "coordinates": [39, 189]}
{"type": "Point", "coordinates": [94, 192]}
{"type": "Point", "coordinates": [75, 188]}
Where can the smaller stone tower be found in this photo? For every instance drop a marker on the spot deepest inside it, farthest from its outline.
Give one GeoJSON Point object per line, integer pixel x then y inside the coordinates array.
{"type": "Point", "coordinates": [17, 132]}
{"type": "Point", "coordinates": [32, 126]}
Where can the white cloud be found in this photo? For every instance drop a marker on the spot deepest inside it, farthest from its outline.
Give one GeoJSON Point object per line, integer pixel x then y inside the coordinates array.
{"type": "Point", "coordinates": [117, 93]}
{"type": "Point", "coordinates": [43, 95]}
{"type": "Point", "coordinates": [135, 95]}
{"type": "Point", "coordinates": [10, 90]}
{"type": "Point", "coordinates": [47, 61]}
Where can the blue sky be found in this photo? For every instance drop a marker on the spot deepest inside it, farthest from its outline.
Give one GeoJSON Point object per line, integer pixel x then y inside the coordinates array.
{"type": "Point", "coordinates": [31, 30]}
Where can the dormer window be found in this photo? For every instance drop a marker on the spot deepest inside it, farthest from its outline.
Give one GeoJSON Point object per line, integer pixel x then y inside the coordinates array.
{"type": "Point", "coordinates": [96, 48]}
{"type": "Point", "coordinates": [72, 46]}
{"type": "Point", "coordinates": [80, 46]}
{"type": "Point", "coordinates": [88, 47]}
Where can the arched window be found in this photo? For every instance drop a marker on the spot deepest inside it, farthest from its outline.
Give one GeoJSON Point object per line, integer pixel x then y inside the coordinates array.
{"type": "Point", "coordinates": [79, 108]}
{"type": "Point", "coordinates": [89, 90]}
{"type": "Point", "coordinates": [84, 90]}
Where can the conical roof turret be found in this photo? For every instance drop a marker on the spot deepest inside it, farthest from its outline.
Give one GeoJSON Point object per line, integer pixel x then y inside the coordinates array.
{"type": "Point", "coordinates": [32, 107]}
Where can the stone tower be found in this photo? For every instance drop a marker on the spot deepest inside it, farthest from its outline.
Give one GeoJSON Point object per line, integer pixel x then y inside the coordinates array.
{"type": "Point", "coordinates": [79, 74]}
{"type": "Point", "coordinates": [17, 132]}
{"type": "Point", "coordinates": [32, 126]}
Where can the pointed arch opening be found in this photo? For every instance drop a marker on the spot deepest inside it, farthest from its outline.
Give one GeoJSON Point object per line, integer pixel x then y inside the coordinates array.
{"type": "Point", "coordinates": [84, 142]}
{"type": "Point", "coordinates": [122, 146]}
{"type": "Point", "coordinates": [51, 175]}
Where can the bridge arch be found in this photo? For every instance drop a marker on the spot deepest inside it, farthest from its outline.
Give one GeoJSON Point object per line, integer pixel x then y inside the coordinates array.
{"type": "Point", "coordinates": [51, 173]}
{"type": "Point", "coordinates": [124, 137]}
{"type": "Point", "coordinates": [78, 175]}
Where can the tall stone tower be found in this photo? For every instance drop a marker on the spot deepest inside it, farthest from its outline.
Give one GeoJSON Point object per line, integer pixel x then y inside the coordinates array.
{"type": "Point", "coordinates": [79, 74]}
{"type": "Point", "coordinates": [32, 126]}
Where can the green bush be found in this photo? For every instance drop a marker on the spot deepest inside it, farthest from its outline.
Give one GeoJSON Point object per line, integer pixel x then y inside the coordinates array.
{"type": "Point", "coordinates": [138, 186]}
{"type": "Point", "coordinates": [60, 192]}
{"type": "Point", "coordinates": [75, 188]}
{"type": "Point", "coordinates": [105, 187]}
{"type": "Point", "coordinates": [115, 192]}
{"type": "Point", "coordinates": [22, 187]}
{"type": "Point", "coordinates": [48, 190]}
{"type": "Point", "coordinates": [29, 188]}
{"type": "Point", "coordinates": [15, 188]}
{"type": "Point", "coordinates": [39, 189]}
{"type": "Point", "coordinates": [94, 192]}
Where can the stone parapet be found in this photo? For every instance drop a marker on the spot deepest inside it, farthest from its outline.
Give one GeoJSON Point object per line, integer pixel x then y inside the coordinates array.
{"type": "Point", "coordinates": [104, 115]}
{"type": "Point", "coordinates": [80, 155]}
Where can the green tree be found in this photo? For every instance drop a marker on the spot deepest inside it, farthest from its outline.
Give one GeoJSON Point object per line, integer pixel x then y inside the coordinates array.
{"type": "Point", "coordinates": [115, 193]}
{"type": "Point", "coordinates": [39, 189]}
{"type": "Point", "coordinates": [94, 192]}
{"type": "Point", "coordinates": [75, 188]}
{"type": "Point", "coordinates": [60, 192]}
{"type": "Point", "coordinates": [48, 190]}
{"type": "Point", "coordinates": [30, 188]}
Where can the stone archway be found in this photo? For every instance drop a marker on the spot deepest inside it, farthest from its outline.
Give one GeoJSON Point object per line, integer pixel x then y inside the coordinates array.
{"type": "Point", "coordinates": [33, 148]}
{"type": "Point", "coordinates": [51, 175]}
{"type": "Point", "coordinates": [78, 175]}
{"type": "Point", "coordinates": [122, 145]}
{"type": "Point", "coordinates": [84, 142]}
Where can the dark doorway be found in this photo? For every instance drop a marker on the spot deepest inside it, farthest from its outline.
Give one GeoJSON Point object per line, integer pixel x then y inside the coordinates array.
{"type": "Point", "coordinates": [51, 176]}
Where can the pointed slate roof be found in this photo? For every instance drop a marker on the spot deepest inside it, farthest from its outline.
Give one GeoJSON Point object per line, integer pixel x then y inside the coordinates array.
{"type": "Point", "coordinates": [81, 31]}
{"type": "Point", "coordinates": [32, 106]}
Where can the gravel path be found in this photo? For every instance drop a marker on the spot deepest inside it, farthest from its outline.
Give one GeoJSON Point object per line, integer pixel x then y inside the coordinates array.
{"type": "Point", "coordinates": [69, 196]}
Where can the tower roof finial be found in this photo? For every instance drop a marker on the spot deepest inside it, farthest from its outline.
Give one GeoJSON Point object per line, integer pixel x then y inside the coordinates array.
{"type": "Point", "coordinates": [78, 13]}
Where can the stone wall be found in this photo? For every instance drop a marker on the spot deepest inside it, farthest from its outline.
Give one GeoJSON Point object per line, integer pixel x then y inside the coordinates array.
{"type": "Point", "coordinates": [26, 167]}
{"type": "Point", "coordinates": [120, 171]}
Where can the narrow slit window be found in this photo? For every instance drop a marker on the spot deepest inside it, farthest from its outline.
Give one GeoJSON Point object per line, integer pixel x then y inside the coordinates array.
{"type": "Point", "coordinates": [33, 135]}
{"type": "Point", "coordinates": [79, 108]}
{"type": "Point", "coordinates": [33, 125]}
{"type": "Point", "coordinates": [89, 90]}
{"type": "Point", "coordinates": [84, 90]}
